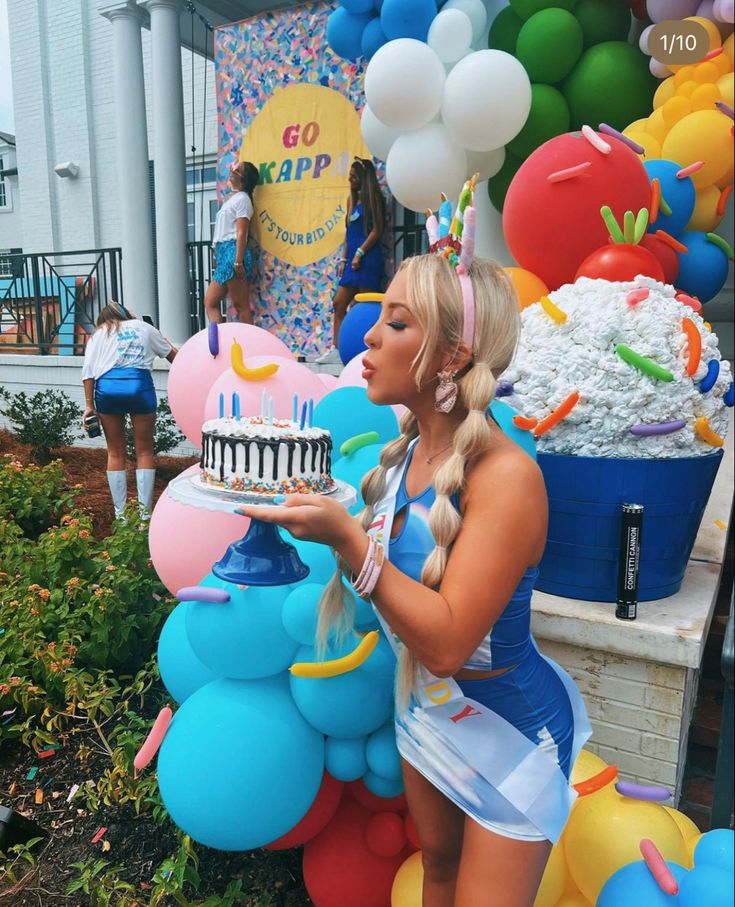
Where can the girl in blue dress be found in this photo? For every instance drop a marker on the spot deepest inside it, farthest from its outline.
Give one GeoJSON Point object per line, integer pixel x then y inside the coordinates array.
{"type": "Point", "coordinates": [361, 267]}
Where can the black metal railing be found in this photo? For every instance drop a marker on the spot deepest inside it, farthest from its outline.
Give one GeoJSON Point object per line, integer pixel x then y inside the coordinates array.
{"type": "Point", "coordinates": [49, 301]}
{"type": "Point", "coordinates": [722, 799]}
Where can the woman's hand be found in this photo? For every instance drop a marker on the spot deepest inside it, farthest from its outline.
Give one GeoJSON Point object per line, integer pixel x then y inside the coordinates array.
{"type": "Point", "coordinates": [239, 269]}
{"type": "Point", "coordinates": [88, 411]}
{"type": "Point", "coordinates": [314, 518]}
{"type": "Point", "coordinates": [356, 262]}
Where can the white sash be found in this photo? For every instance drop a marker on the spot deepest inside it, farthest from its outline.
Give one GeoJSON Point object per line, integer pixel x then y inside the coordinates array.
{"type": "Point", "coordinates": [454, 731]}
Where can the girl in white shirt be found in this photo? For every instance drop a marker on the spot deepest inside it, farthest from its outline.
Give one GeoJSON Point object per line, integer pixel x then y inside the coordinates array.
{"type": "Point", "coordinates": [117, 382]}
{"type": "Point", "coordinates": [230, 239]}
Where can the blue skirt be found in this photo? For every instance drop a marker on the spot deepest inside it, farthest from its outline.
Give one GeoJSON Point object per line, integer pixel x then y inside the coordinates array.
{"type": "Point", "coordinates": [125, 390]}
{"type": "Point", "coordinates": [225, 255]}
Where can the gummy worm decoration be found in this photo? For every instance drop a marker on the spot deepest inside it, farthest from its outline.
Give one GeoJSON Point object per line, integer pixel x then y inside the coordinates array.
{"type": "Point", "coordinates": [647, 366]}
{"type": "Point", "coordinates": [369, 297]}
{"type": "Point", "coordinates": [710, 55]}
{"type": "Point", "coordinates": [594, 139]}
{"type": "Point", "coordinates": [655, 198]}
{"type": "Point", "coordinates": [213, 338]}
{"type": "Point", "coordinates": [616, 234]}
{"type": "Point", "coordinates": [337, 666]}
{"type": "Point", "coordinates": [658, 868]}
{"type": "Point", "coordinates": [636, 296]}
{"type": "Point", "coordinates": [525, 423]}
{"type": "Point", "coordinates": [356, 442]}
{"type": "Point", "coordinates": [720, 243]}
{"type": "Point", "coordinates": [651, 792]}
{"type": "Point", "coordinates": [634, 146]}
{"type": "Point", "coordinates": [707, 433]}
{"type": "Point", "coordinates": [725, 108]}
{"type": "Point", "coordinates": [669, 239]}
{"type": "Point", "coordinates": [596, 782]}
{"type": "Point", "coordinates": [728, 398]}
{"type": "Point", "coordinates": [203, 594]}
{"type": "Point", "coordinates": [664, 205]}
{"type": "Point", "coordinates": [687, 171]}
{"type": "Point", "coordinates": [154, 739]}
{"type": "Point", "coordinates": [650, 429]}
{"type": "Point", "coordinates": [722, 202]}
{"type": "Point", "coordinates": [713, 372]}
{"type": "Point", "coordinates": [559, 176]}
{"type": "Point", "coordinates": [691, 301]}
{"type": "Point", "coordinates": [694, 338]}
{"type": "Point", "coordinates": [556, 415]}
{"type": "Point", "coordinates": [249, 374]}
{"type": "Point", "coordinates": [553, 311]}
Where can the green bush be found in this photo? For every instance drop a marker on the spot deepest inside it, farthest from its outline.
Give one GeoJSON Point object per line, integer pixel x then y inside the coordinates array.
{"type": "Point", "coordinates": [33, 497]}
{"type": "Point", "coordinates": [166, 435]}
{"type": "Point", "coordinates": [45, 421]}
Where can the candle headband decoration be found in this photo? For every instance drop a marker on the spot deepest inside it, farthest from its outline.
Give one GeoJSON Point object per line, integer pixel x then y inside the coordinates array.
{"type": "Point", "coordinates": [457, 245]}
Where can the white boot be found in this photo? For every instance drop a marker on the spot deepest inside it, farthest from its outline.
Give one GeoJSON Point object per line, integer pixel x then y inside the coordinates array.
{"type": "Point", "coordinates": [144, 479]}
{"type": "Point", "coordinates": [118, 481]}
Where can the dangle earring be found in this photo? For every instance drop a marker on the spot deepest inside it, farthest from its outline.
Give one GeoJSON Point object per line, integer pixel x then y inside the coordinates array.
{"type": "Point", "coordinates": [445, 395]}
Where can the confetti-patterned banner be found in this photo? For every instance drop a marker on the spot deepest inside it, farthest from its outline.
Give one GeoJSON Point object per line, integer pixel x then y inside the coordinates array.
{"type": "Point", "coordinates": [253, 60]}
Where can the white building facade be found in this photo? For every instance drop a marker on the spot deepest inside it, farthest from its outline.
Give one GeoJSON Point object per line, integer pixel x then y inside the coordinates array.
{"type": "Point", "coordinates": [10, 216]}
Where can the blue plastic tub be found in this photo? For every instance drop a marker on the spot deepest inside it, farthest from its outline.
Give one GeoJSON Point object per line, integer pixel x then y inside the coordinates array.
{"type": "Point", "coordinates": [585, 497]}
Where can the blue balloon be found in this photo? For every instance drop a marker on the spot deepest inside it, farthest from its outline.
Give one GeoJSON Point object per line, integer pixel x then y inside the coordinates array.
{"type": "Point", "coordinates": [344, 32]}
{"type": "Point", "coordinates": [373, 38]}
{"type": "Point", "coordinates": [299, 613]}
{"type": "Point", "coordinates": [239, 766]}
{"type": "Point", "coordinates": [363, 315]}
{"type": "Point", "coordinates": [181, 671]}
{"type": "Point", "coordinates": [365, 617]}
{"type": "Point", "coordinates": [357, 6]}
{"type": "Point", "coordinates": [244, 637]}
{"type": "Point", "coordinates": [706, 886]}
{"type": "Point", "coordinates": [382, 787]}
{"type": "Point", "coordinates": [318, 558]}
{"type": "Point", "coordinates": [680, 196]}
{"type": "Point", "coordinates": [634, 884]}
{"type": "Point", "coordinates": [716, 848]}
{"type": "Point", "coordinates": [382, 754]}
{"type": "Point", "coordinates": [344, 758]}
{"type": "Point", "coordinates": [407, 18]}
{"type": "Point", "coordinates": [352, 704]}
{"type": "Point", "coordinates": [504, 413]}
{"type": "Point", "coordinates": [354, 467]}
{"type": "Point", "coordinates": [703, 269]}
{"type": "Point", "coordinates": [347, 412]}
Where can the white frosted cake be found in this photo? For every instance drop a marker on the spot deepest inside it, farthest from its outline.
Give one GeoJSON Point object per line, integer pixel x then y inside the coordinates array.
{"type": "Point", "coordinates": [256, 456]}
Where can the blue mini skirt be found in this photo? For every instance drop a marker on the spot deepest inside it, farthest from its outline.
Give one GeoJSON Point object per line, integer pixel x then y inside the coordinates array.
{"type": "Point", "coordinates": [225, 255]}
{"type": "Point", "coordinates": [125, 390]}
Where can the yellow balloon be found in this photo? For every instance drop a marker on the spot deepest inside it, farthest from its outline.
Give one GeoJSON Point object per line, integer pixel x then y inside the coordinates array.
{"type": "Point", "coordinates": [651, 146]}
{"type": "Point", "coordinates": [676, 109]}
{"type": "Point", "coordinates": [713, 32]}
{"type": "Point", "coordinates": [728, 46]}
{"type": "Point", "coordinates": [686, 89]}
{"type": "Point", "coordinates": [528, 287]}
{"type": "Point", "coordinates": [586, 765]}
{"type": "Point", "coordinates": [684, 74]}
{"type": "Point", "coordinates": [705, 216]}
{"type": "Point", "coordinates": [636, 124]}
{"type": "Point", "coordinates": [664, 91]}
{"type": "Point", "coordinates": [704, 97]}
{"type": "Point", "coordinates": [706, 72]}
{"type": "Point", "coordinates": [604, 833]}
{"type": "Point", "coordinates": [691, 845]}
{"type": "Point", "coordinates": [573, 899]}
{"type": "Point", "coordinates": [408, 883]}
{"type": "Point", "coordinates": [554, 879]}
{"type": "Point", "coordinates": [726, 87]}
{"type": "Point", "coordinates": [656, 125]}
{"type": "Point", "coordinates": [688, 829]}
{"type": "Point", "coordinates": [701, 136]}
{"type": "Point", "coordinates": [723, 64]}
{"type": "Point", "coordinates": [727, 179]}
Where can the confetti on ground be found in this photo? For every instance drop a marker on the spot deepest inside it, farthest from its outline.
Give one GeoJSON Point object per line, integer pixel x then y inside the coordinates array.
{"type": "Point", "coordinates": [99, 834]}
{"type": "Point", "coordinates": [32, 772]}
{"type": "Point", "coordinates": [11, 790]}
{"type": "Point", "coordinates": [106, 846]}
{"type": "Point", "coordinates": [46, 754]}
{"type": "Point", "coordinates": [39, 796]}
{"type": "Point", "coordinates": [74, 789]}
{"type": "Point", "coordinates": [720, 525]}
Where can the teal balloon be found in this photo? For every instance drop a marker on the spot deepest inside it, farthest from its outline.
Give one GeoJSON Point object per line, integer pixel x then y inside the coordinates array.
{"type": "Point", "coordinates": [703, 269]}
{"type": "Point", "coordinates": [318, 558]}
{"type": "Point", "coordinates": [353, 468]}
{"type": "Point", "coordinates": [346, 412]}
{"type": "Point", "coordinates": [182, 672]}
{"type": "Point", "coordinates": [716, 848]}
{"type": "Point", "coordinates": [239, 766]}
{"type": "Point", "coordinates": [344, 32]}
{"type": "Point", "coordinates": [244, 637]}
{"type": "Point", "coordinates": [352, 704]}
{"type": "Point", "coordinates": [300, 615]}
{"type": "Point", "coordinates": [504, 413]}
{"type": "Point", "coordinates": [344, 758]}
{"type": "Point", "coordinates": [634, 884]}
{"type": "Point", "coordinates": [383, 758]}
{"type": "Point", "coordinates": [706, 886]}
{"type": "Point", "coordinates": [382, 787]}
{"type": "Point", "coordinates": [365, 617]}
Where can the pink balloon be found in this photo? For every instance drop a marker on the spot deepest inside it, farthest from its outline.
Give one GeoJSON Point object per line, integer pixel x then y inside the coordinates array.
{"type": "Point", "coordinates": [185, 541]}
{"type": "Point", "coordinates": [291, 378]}
{"type": "Point", "coordinates": [329, 381]}
{"type": "Point", "coordinates": [194, 370]}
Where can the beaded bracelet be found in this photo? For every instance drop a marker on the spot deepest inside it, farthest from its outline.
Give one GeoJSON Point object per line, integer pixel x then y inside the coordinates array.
{"type": "Point", "coordinates": [371, 569]}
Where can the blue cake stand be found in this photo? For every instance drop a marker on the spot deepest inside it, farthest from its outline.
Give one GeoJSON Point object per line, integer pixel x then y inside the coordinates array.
{"type": "Point", "coordinates": [262, 557]}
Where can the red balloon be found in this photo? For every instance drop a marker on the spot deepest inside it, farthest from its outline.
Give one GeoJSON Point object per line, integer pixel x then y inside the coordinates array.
{"type": "Point", "coordinates": [340, 870]}
{"type": "Point", "coordinates": [319, 816]}
{"type": "Point", "coordinates": [620, 261]}
{"type": "Point", "coordinates": [375, 803]}
{"type": "Point", "coordinates": [412, 833]}
{"type": "Point", "coordinates": [385, 835]}
{"type": "Point", "coordinates": [667, 257]}
{"type": "Point", "coordinates": [551, 227]}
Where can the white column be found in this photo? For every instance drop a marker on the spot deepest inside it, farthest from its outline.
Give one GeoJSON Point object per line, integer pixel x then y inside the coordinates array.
{"type": "Point", "coordinates": [132, 156]}
{"type": "Point", "coordinates": [170, 172]}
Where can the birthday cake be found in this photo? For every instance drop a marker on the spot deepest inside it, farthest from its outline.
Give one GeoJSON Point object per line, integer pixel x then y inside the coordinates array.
{"type": "Point", "coordinates": [620, 369]}
{"type": "Point", "coordinates": [257, 455]}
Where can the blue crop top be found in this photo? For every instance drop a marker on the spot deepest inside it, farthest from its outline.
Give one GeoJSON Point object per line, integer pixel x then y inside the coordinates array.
{"type": "Point", "coordinates": [510, 638]}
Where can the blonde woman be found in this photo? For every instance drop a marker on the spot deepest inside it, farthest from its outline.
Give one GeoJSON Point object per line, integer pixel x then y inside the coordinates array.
{"type": "Point", "coordinates": [487, 727]}
{"type": "Point", "coordinates": [117, 382]}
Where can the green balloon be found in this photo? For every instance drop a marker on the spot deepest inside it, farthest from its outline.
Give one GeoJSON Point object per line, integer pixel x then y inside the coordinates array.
{"type": "Point", "coordinates": [527, 8]}
{"type": "Point", "coordinates": [603, 20]}
{"type": "Point", "coordinates": [610, 84]}
{"type": "Point", "coordinates": [504, 31]}
{"type": "Point", "coordinates": [549, 116]}
{"type": "Point", "coordinates": [498, 185]}
{"type": "Point", "coordinates": [549, 44]}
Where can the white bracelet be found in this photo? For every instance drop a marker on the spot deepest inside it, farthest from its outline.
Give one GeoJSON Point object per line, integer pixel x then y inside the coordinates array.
{"type": "Point", "coordinates": [359, 251]}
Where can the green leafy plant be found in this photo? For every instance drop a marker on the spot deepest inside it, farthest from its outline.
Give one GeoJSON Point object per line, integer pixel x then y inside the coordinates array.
{"type": "Point", "coordinates": [102, 882]}
{"type": "Point", "coordinates": [166, 435]}
{"type": "Point", "coordinates": [45, 421]}
{"type": "Point", "coordinates": [34, 497]}
{"type": "Point", "coordinates": [16, 866]}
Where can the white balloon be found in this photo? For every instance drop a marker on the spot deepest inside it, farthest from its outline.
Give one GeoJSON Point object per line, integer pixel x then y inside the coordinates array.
{"type": "Point", "coordinates": [486, 163]}
{"type": "Point", "coordinates": [476, 13]}
{"type": "Point", "coordinates": [487, 98]}
{"type": "Point", "coordinates": [424, 163]}
{"type": "Point", "coordinates": [658, 69]}
{"type": "Point", "coordinates": [378, 137]}
{"type": "Point", "coordinates": [643, 40]}
{"type": "Point", "coordinates": [403, 83]}
{"type": "Point", "coordinates": [450, 35]}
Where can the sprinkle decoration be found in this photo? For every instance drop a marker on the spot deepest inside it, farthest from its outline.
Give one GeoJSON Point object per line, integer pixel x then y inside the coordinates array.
{"type": "Point", "coordinates": [337, 666]}
{"type": "Point", "coordinates": [556, 415]}
{"type": "Point", "coordinates": [213, 338]}
{"type": "Point", "coordinates": [32, 772]}
{"type": "Point", "coordinates": [707, 325]}
{"type": "Point", "coordinates": [687, 171]}
{"type": "Point", "coordinates": [725, 108]}
{"type": "Point", "coordinates": [710, 55]}
{"type": "Point", "coordinates": [728, 398]}
{"type": "Point", "coordinates": [616, 234]}
{"type": "Point", "coordinates": [652, 429]}
{"type": "Point", "coordinates": [721, 244]}
{"type": "Point", "coordinates": [203, 594]}
{"type": "Point", "coordinates": [634, 297]}
{"type": "Point", "coordinates": [664, 205]}
{"type": "Point", "coordinates": [154, 739]}
{"type": "Point", "coordinates": [525, 423]}
{"type": "Point", "coordinates": [658, 868]}
{"type": "Point", "coordinates": [691, 301]}
{"type": "Point", "coordinates": [720, 525]}
{"type": "Point", "coordinates": [621, 137]}
{"type": "Point", "coordinates": [707, 433]}
{"type": "Point", "coordinates": [99, 834]}
{"type": "Point", "coordinates": [655, 198]}
{"type": "Point", "coordinates": [643, 364]}
{"type": "Point", "coordinates": [722, 201]}
{"type": "Point", "coordinates": [553, 311]}
{"type": "Point", "coordinates": [669, 239]}
{"type": "Point", "coordinates": [503, 389]}
{"type": "Point", "coordinates": [713, 372]}
{"type": "Point", "coordinates": [249, 374]}
{"type": "Point", "coordinates": [694, 339]}
{"type": "Point", "coordinates": [39, 796]}
{"type": "Point", "coordinates": [357, 442]}
{"type": "Point", "coordinates": [597, 142]}
{"type": "Point", "coordinates": [596, 782]}
{"type": "Point", "coordinates": [558, 176]}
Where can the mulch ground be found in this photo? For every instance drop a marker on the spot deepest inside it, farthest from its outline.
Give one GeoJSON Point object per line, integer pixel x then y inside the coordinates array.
{"type": "Point", "coordinates": [138, 844]}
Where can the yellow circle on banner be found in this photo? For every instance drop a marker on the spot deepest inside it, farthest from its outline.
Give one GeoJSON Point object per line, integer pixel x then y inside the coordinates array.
{"type": "Point", "coordinates": [302, 142]}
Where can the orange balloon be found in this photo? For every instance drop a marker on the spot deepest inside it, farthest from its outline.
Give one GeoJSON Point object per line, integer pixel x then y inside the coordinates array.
{"type": "Point", "coordinates": [528, 287]}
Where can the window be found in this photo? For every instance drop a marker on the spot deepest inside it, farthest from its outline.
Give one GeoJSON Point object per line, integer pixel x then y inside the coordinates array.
{"type": "Point", "coordinates": [190, 222]}
{"type": "Point", "coordinates": [201, 195]}
{"type": "Point", "coordinates": [3, 185]}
